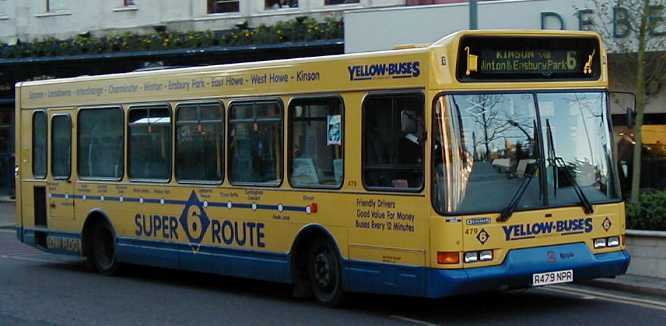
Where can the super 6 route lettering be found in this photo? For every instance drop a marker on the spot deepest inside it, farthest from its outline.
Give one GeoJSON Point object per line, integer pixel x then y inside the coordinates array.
{"type": "Point", "coordinates": [194, 223]}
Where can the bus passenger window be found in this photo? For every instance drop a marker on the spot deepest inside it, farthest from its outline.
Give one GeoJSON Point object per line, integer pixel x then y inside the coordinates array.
{"type": "Point", "coordinates": [150, 143]}
{"type": "Point", "coordinates": [200, 142]}
{"type": "Point", "coordinates": [61, 146]}
{"type": "Point", "coordinates": [315, 142]}
{"type": "Point", "coordinates": [255, 143]}
{"type": "Point", "coordinates": [100, 143]}
{"type": "Point", "coordinates": [393, 140]}
{"type": "Point", "coordinates": [39, 149]}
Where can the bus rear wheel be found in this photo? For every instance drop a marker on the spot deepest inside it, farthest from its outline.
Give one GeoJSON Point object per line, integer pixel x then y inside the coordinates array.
{"type": "Point", "coordinates": [102, 254]}
{"type": "Point", "coordinates": [325, 273]}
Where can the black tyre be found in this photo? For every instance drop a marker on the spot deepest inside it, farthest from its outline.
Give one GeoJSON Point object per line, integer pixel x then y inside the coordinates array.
{"type": "Point", "coordinates": [102, 253]}
{"type": "Point", "coordinates": [324, 272]}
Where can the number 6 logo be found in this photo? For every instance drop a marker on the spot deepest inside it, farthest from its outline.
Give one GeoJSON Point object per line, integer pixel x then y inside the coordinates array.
{"type": "Point", "coordinates": [483, 236]}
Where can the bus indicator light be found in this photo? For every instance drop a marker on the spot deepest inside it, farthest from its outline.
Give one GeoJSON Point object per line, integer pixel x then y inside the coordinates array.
{"type": "Point", "coordinates": [448, 257]}
{"type": "Point", "coordinates": [313, 208]}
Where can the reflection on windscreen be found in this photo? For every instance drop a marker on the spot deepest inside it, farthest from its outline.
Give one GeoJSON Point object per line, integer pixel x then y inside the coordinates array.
{"type": "Point", "coordinates": [493, 143]}
{"type": "Point", "coordinates": [580, 136]}
{"type": "Point", "coordinates": [486, 145]}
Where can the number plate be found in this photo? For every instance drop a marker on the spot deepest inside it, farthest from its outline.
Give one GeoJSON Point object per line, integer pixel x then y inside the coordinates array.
{"type": "Point", "coordinates": [541, 279]}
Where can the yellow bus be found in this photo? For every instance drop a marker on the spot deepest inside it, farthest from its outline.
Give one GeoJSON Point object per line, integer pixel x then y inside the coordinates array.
{"type": "Point", "coordinates": [482, 161]}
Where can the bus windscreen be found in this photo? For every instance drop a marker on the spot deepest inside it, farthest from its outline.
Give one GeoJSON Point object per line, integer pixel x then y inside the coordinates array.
{"type": "Point", "coordinates": [494, 59]}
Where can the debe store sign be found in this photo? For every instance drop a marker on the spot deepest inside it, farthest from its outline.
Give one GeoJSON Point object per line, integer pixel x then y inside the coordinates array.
{"type": "Point", "coordinates": [617, 20]}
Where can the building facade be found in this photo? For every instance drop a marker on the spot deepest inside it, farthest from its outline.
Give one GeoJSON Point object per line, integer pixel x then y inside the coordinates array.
{"type": "Point", "coordinates": [615, 20]}
{"type": "Point", "coordinates": [369, 25]}
{"type": "Point", "coordinates": [27, 20]}
{"type": "Point", "coordinates": [24, 21]}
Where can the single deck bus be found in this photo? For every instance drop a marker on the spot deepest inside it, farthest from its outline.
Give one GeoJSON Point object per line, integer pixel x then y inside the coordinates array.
{"type": "Point", "coordinates": [482, 161]}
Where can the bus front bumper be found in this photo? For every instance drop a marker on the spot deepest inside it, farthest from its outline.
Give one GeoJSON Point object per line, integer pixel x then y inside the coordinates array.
{"type": "Point", "coordinates": [519, 265]}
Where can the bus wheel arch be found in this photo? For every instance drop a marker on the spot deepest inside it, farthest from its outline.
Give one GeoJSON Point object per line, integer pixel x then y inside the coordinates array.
{"type": "Point", "coordinates": [98, 244]}
{"type": "Point", "coordinates": [300, 259]}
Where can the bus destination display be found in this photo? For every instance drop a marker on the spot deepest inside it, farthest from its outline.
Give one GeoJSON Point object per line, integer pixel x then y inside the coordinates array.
{"type": "Point", "coordinates": [505, 58]}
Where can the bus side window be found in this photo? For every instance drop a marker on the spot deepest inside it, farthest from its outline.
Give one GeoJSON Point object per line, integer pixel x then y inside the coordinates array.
{"type": "Point", "coordinates": [315, 142]}
{"type": "Point", "coordinates": [39, 147]}
{"type": "Point", "coordinates": [150, 143]}
{"type": "Point", "coordinates": [393, 140]}
{"type": "Point", "coordinates": [200, 142]}
{"type": "Point", "coordinates": [100, 147]}
{"type": "Point", "coordinates": [61, 146]}
{"type": "Point", "coordinates": [255, 143]}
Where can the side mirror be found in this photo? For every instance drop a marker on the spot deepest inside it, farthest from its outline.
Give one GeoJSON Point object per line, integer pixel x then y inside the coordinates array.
{"type": "Point", "coordinates": [626, 100]}
{"type": "Point", "coordinates": [631, 117]}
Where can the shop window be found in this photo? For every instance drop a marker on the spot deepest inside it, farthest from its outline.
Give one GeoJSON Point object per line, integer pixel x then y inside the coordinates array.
{"type": "Point", "coordinates": [315, 142]}
{"type": "Point", "coordinates": [393, 140]}
{"type": "Point", "coordinates": [200, 142]}
{"type": "Point", "coordinates": [281, 4]}
{"type": "Point", "coordinates": [7, 162]}
{"type": "Point", "coordinates": [255, 143]}
{"type": "Point", "coordinates": [431, 2]}
{"type": "Point", "coordinates": [149, 143]}
{"type": "Point", "coordinates": [339, 2]}
{"type": "Point", "coordinates": [653, 153]}
{"type": "Point", "coordinates": [100, 143]}
{"type": "Point", "coordinates": [39, 147]}
{"type": "Point", "coordinates": [223, 6]}
{"type": "Point", "coordinates": [55, 5]}
{"type": "Point", "coordinates": [61, 146]}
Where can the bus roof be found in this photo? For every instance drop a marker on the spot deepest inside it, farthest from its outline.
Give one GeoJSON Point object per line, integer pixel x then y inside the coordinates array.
{"type": "Point", "coordinates": [430, 67]}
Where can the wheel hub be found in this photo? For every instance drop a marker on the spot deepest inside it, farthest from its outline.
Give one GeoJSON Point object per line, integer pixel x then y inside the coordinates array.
{"type": "Point", "coordinates": [322, 270]}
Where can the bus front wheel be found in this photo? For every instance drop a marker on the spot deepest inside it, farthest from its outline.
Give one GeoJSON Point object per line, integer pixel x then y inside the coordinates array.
{"type": "Point", "coordinates": [102, 255]}
{"type": "Point", "coordinates": [325, 273]}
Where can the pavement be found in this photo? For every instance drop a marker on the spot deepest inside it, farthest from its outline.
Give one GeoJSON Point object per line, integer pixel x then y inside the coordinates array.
{"type": "Point", "coordinates": [626, 283]}
{"type": "Point", "coordinates": [632, 283]}
{"type": "Point", "coordinates": [7, 214]}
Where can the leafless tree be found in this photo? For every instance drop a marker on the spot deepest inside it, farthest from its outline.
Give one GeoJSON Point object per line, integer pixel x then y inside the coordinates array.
{"type": "Point", "coordinates": [635, 31]}
{"type": "Point", "coordinates": [486, 114]}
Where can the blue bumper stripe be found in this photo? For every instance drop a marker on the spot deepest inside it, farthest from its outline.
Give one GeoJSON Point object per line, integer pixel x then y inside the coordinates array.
{"type": "Point", "coordinates": [515, 272]}
{"type": "Point", "coordinates": [519, 265]}
{"type": "Point", "coordinates": [242, 263]}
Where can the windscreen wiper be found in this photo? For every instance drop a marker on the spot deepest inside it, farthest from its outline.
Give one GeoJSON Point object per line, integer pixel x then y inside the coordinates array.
{"type": "Point", "coordinates": [530, 171]}
{"type": "Point", "coordinates": [559, 164]}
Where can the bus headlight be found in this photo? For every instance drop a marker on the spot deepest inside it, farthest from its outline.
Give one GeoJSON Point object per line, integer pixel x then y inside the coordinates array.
{"type": "Point", "coordinates": [613, 241]}
{"type": "Point", "coordinates": [471, 257]}
{"type": "Point", "coordinates": [607, 242]}
{"type": "Point", "coordinates": [600, 243]}
{"type": "Point", "coordinates": [476, 256]}
{"type": "Point", "coordinates": [486, 255]}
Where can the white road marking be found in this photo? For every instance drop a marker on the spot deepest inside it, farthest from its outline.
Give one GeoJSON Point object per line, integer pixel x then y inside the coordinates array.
{"type": "Point", "coordinates": [412, 320]}
{"type": "Point", "coordinates": [609, 297]}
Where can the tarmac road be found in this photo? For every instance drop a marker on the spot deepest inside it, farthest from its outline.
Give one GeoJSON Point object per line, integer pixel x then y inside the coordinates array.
{"type": "Point", "coordinates": [37, 288]}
